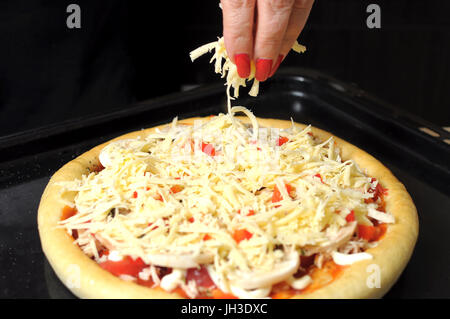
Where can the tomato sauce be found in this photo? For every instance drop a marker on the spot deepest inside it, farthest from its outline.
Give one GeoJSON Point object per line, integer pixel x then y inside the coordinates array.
{"type": "Point", "coordinates": [68, 212]}
{"type": "Point", "coordinates": [97, 168]}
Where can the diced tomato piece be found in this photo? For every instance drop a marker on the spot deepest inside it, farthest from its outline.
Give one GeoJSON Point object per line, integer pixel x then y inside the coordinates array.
{"type": "Point", "coordinates": [207, 237]}
{"type": "Point", "coordinates": [350, 217]}
{"type": "Point", "coordinates": [241, 234]}
{"type": "Point", "coordinates": [103, 252]}
{"type": "Point", "coordinates": [68, 212]}
{"type": "Point", "coordinates": [208, 149]}
{"type": "Point", "coordinates": [191, 219]}
{"type": "Point", "coordinates": [251, 212]}
{"type": "Point", "coordinates": [200, 276]}
{"type": "Point", "coordinates": [366, 232]}
{"type": "Point", "coordinates": [126, 266]}
{"type": "Point", "coordinates": [147, 283]}
{"type": "Point", "coordinates": [379, 191]}
{"type": "Point", "coordinates": [371, 233]}
{"type": "Point", "coordinates": [98, 168]}
{"type": "Point", "coordinates": [276, 197]}
{"type": "Point", "coordinates": [159, 197]}
{"type": "Point", "coordinates": [176, 189]}
{"type": "Point", "coordinates": [219, 294]}
{"type": "Point", "coordinates": [289, 188]}
{"type": "Point", "coordinates": [319, 176]}
{"type": "Point", "coordinates": [282, 140]}
{"type": "Point", "coordinates": [382, 205]}
{"type": "Point", "coordinates": [135, 194]}
{"type": "Point", "coordinates": [180, 292]}
{"type": "Point", "coordinates": [381, 230]}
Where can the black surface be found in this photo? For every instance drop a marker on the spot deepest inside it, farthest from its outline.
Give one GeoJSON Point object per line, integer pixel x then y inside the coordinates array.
{"type": "Point", "coordinates": [419, 161]}
{"type": "Point", "coordinates": [129, 51]}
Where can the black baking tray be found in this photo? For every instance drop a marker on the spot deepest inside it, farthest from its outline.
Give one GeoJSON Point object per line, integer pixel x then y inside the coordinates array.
{"type": "Point", "coordinates": [420, 161]}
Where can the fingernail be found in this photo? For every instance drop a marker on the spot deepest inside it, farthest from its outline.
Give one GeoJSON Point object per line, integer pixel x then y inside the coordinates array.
{"type": "Point", "coordinates": [263, 67]}
{"type": "Point", "coordinates": [277, 64]}
{"type": "Point", "coordinates": [242, 61]}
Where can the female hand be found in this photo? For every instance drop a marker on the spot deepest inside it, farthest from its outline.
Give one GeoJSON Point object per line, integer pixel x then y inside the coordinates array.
{"type": "Point", "coordinates": [263, 31]}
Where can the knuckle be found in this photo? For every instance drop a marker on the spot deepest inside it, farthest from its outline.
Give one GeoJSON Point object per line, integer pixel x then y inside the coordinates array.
{"type": "Point", "coordinates": [290, 39]}
{"type": "Point", "coordinates": [302, 4]}
{"type": "Point", "coordinates": [286, 45]}
{"type": "Point", "coordinates": [269, 41]}
{"type": "Point", "coordinates": [240, 4]}
{"type": "Point", "coordinates": [238, 25]}
{"type": "Point", "coordinates": [281, 5]}
{"type": "Point", "coordinates": [238, 39]}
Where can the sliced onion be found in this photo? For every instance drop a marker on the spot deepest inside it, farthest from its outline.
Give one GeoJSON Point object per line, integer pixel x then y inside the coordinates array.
{"type": "Point", "coordinates": [182, 261]}
{"type": "Point", "coordinates": [342, 237]}
{"type": "Point", "coordinates": [300, 283]}
{"type": "Point", "coordinates": [348, 259]}
{"type": "Point", "coordinates": [280, 272]}
{"type": "Point", "coordinates": [381, 216]}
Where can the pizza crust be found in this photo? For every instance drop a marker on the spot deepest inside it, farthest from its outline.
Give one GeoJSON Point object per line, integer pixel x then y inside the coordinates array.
{"type": "Point", "coordinates": [86, 279]}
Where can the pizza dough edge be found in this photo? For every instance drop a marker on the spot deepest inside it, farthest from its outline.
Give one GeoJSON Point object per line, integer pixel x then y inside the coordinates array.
{"type": "Point", "coordinates": [86, 279]}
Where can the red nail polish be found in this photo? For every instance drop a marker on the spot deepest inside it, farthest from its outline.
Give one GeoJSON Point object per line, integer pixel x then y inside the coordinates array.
{"type": "Point", "coordinates": [242, 61]}
{"type": "Point", "coordinates": [263, 67]}
{"type": "Point", "coordinates": [277, 64]}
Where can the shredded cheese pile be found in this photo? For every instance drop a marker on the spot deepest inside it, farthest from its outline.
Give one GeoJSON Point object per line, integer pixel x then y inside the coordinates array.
{"type": "Point", "coordinates": [178, 197]}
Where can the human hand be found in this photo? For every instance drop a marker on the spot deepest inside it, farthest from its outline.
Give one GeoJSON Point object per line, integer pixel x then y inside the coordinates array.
{"type": "Point", "coordinates": [263, 31]}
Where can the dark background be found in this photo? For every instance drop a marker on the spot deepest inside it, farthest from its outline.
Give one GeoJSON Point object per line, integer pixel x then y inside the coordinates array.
{"type": "Point", "coordinates": [127, 51]}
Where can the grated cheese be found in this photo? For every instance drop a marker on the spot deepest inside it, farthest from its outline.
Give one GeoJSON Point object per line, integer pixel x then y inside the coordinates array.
{"type": "Point", "coordinates": [228, 69]}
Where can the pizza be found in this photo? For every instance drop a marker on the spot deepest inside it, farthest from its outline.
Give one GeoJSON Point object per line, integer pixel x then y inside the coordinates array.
{"type": "Point", "coordinates": [227, 206]}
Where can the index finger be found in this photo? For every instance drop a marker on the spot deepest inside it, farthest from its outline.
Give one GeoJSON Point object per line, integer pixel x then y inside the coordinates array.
{"type": "Point", "coordinates": [238, 17]}
{"type": "Point", "coordinates": [273, 18]}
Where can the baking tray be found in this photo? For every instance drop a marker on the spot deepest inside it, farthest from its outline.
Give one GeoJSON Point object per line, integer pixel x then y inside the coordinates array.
{"type": "Point", "coordinates": [420, 161]}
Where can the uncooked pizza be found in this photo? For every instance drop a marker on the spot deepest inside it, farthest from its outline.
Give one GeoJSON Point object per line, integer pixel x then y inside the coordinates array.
{"type": "Point", "coordinates": [227, 207]}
